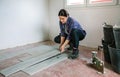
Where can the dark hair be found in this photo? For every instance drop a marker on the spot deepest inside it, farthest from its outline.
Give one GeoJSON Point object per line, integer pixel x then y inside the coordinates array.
{"type": "Point", "coordinates": [63, 12]}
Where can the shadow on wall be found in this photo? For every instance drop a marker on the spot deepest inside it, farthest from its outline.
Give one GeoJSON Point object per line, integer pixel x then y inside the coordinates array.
{"type": "Point", "coordinates": [43, 32]}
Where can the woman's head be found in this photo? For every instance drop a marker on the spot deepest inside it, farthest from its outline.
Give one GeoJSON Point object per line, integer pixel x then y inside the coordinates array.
{"type": "Point", "coordinates": [63, 15]}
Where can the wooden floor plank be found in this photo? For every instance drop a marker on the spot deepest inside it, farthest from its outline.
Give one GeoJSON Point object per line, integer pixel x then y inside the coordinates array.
{"type": "Point", "coordinates": [45, 64]}
{"type": "Point", "coordinates": [22, 65]}
{"type": "Point", "coordinates": [33, 55]}
{"type": "Point", "coordinates": [8, 55]}
{"type": "Point", "coordinates": [38, 51]}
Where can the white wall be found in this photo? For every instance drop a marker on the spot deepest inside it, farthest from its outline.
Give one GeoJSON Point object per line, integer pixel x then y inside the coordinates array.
{"type": "Point", "coordinates": [91, 18]}
{"type": "Point", "coordinates": [23, 22]}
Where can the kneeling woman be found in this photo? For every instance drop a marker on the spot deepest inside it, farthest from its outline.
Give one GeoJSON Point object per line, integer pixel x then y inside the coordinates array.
{"type": "Point", "coordinates": [71, 33]}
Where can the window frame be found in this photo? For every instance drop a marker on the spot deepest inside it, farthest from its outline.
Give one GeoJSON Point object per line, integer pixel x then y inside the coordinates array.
{"type": "Point", "coordinates": [87, 4]}
{"type": "Point", "coordinates": [102, 4]}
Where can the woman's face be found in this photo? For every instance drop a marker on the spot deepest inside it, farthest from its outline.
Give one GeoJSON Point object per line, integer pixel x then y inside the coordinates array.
{"type": "Point", "coordinates": [63, 19]}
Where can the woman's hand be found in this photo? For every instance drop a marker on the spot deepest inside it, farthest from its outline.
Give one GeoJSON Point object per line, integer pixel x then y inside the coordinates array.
{"type": "Point", "coordinates": [62, 48]}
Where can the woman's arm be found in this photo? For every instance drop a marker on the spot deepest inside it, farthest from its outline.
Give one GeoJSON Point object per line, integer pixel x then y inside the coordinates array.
{"type": "Point", "coordinates": [62, 48]}
{"type": "Point", "coordinates": [63, 44]}
{"type": "Point", "coordinates": [66, 43]}
{"type": "Point", "coordinates": [62, 40]}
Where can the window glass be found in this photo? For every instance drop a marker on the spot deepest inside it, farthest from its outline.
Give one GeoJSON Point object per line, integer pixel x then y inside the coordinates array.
{"type": "Point", "coordinates": [75, 2]}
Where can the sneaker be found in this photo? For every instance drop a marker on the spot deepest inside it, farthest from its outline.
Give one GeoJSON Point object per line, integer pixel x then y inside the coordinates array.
{"type": "Point", "coordinates": [74, 54]}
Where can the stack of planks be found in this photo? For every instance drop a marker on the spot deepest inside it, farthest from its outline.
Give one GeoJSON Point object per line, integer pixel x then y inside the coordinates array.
{"type": "Point", "coordinates": [41, 58]}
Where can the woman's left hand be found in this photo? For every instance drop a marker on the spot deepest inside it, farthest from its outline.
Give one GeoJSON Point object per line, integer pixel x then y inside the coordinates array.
{"type": "Point", "coordinates": [62, 48]}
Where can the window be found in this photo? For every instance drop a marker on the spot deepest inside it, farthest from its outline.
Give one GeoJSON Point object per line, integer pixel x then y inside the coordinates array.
{"type": "Point", "coordinates": [101, 2]}
{"type": "Point", "coordinates": [74, 3]}
{"type": "Point", "coordinates": [80, 3]}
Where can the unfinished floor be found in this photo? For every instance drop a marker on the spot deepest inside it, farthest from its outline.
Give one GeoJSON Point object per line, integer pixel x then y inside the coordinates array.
{"type": "Point", "coordinates": [66, 68]}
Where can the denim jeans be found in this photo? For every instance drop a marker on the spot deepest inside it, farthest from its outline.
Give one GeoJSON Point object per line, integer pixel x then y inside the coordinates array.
{"type": "Point", "coordinates": [76, 36]}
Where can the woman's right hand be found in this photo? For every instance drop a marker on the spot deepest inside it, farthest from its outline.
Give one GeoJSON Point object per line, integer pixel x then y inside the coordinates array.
{"type": "Point", "coordinates": [62, 48]}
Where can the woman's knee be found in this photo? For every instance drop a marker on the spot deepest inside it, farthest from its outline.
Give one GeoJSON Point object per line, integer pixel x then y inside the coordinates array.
{"type": "Point", "coordinates": [57, 39]}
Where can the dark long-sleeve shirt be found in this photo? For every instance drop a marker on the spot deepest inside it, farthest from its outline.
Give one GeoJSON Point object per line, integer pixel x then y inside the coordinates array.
{"type": "Point", "coordinates": [67, 28]}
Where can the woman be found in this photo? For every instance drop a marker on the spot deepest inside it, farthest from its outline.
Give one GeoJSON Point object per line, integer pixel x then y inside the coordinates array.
{"type": "Point", "coordinates": [71, 33]}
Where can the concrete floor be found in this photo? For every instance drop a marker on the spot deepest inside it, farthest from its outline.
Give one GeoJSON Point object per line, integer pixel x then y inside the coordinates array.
{"type": "Point", "coordinates": [67, 68]}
